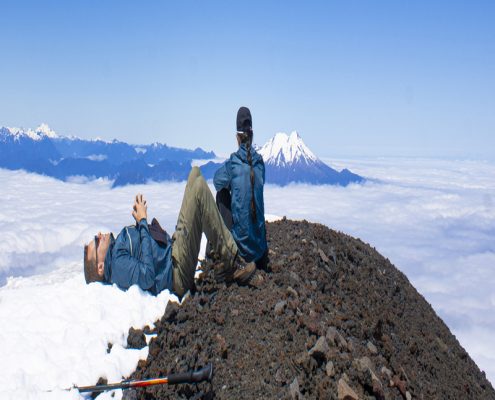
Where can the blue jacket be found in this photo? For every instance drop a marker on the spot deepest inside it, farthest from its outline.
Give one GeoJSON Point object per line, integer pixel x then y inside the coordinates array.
{"type": "Point", "coordinates": [135, 258]}
{"type": "Point", "coordinates": [235, 175]}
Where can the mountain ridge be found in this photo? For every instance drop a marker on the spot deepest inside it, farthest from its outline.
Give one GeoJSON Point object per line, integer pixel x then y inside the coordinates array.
{"type": "Point", "coordinates": [42, 150]}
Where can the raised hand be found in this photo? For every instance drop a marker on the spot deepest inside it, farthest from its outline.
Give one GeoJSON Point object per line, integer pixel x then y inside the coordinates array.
{"type": "Point", "coordinates": [140, 208]}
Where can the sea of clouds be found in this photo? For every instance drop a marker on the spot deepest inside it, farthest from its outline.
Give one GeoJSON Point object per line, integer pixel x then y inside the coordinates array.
{"type": "Point", "coordinates": [434, 219]}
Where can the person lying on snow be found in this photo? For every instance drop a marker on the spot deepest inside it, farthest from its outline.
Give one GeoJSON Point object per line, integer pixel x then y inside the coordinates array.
{"type": "Point", "coordinates": [146, 256]}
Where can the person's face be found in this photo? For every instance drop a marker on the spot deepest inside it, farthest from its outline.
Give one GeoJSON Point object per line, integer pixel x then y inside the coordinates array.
{"type": "Point", "coordinates": [97, 250]}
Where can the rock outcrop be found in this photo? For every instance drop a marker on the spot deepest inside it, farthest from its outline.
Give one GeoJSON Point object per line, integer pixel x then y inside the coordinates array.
{"type": "Point", "coordinates": [332, 320]}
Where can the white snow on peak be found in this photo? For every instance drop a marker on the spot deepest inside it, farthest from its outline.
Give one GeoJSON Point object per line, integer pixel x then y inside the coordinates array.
{"type": "Point", "coordinates": [283, 149]}
{"type": "Point", "coordinates": [100, 139]}
{"type": "Point", "coordinates": [36, 134]}
{"type": "Point", "coordinates": [14, 131]}
{"type": "Point", "coordinates": [46, 130]}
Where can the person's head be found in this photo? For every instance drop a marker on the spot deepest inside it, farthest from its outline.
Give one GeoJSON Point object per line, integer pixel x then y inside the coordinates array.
{"type": "Point", "coordinates": [244, 126]}
{"type": "Point", "coordinates": [94, 257]}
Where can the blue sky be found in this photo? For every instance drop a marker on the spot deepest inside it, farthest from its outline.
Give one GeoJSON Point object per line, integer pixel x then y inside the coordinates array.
{"type": "Point", "coordinates": [353, 77]}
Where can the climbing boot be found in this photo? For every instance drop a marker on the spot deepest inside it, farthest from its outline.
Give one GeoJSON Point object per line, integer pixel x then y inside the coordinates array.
{"type": "Point", "coordinates": [240, 271]}
{"type": "Point", "coordinates": [243, 270]}
{"type": "Point", "coordinates": [223, 273]}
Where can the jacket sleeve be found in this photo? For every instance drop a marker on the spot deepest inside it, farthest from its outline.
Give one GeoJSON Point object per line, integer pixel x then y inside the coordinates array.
{"type": "Point", "coordinates": [222, 177]}
{"type": "Point", "coordinates": [129, 270]}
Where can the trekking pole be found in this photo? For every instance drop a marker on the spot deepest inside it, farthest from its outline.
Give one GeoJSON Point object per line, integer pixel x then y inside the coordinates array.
{"type": "Point", "coordinates": [203, 374]}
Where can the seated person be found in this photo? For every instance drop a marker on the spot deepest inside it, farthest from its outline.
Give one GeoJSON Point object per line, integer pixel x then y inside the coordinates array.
{"type": "Point", "coordinates": [239, 183]}
{"type": "Point", "coordinates": [146, 256]}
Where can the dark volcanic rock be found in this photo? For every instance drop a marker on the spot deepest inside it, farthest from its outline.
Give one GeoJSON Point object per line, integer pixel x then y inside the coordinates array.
{"type": "Point", "coordinates": [337, 299]}
{"type": "Point", "coordinates": [136, 339]}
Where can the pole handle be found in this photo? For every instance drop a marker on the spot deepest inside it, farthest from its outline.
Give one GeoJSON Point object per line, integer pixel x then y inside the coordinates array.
{"type": "Point", "coordinates": [203, 374]}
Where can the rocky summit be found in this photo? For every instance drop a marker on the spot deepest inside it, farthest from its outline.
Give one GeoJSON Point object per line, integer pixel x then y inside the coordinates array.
{"type": "Point", "coordinates": [332, 319]}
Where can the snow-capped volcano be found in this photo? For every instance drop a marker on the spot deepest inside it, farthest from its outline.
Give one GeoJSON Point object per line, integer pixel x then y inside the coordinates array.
{"type": "Point", "coordinates": [283, 150]}
{"type": "Point", "coordinates": [287, 159]}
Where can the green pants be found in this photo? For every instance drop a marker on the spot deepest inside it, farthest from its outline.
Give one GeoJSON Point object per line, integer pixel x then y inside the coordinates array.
{"type": "Point", "coordinates": [198, 214]}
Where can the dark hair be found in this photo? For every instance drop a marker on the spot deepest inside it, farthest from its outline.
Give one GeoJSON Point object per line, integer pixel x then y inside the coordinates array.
{"type": "Point", "coordinates": [247, 138]}
{"type": "Point", "coordinates": [90, 268]}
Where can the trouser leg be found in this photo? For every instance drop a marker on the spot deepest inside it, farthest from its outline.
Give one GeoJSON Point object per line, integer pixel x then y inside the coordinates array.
{"type": "Point", "coordinates": [198, 214]}
{"type": "Point", "coordinates": [193, 174]}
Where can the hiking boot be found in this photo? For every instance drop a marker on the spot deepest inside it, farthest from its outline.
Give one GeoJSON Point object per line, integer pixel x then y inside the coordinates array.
{"type": "Point", "coordinates": [243, 270]}
{"type": "Point", "coordinates": [223, 274]}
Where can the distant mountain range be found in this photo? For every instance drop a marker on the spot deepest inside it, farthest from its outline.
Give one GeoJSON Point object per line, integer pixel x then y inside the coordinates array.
{"type": "Point", "coordinates": [44, 152]}
{"type": "Point", "coordinates": [287, 159]}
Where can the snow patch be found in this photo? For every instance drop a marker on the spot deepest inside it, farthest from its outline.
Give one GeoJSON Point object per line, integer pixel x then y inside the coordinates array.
{"type": "Point", "coordinates": [272, 217]}
{"type": "Point", "coordinates": [58, 329]}
{"type": "Point", "coordinates": [97, 157]}
{"type": "Point", "coordinates": [44, 129]}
